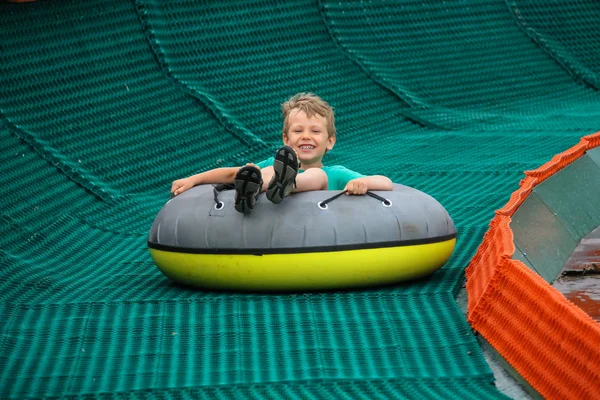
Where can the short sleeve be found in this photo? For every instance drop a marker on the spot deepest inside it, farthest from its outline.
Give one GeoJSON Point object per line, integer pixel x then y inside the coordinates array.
{"type": "Point", "coordinates": [266, 163]}
{"type": "Point", "coordinates": [339, 176]}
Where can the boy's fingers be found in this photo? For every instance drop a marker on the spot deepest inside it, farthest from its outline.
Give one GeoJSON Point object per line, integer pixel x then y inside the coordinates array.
{"type": "Point", "coordinates": [176, 185]}
{"type": "Point", "coordinates": [355, 189]}
{"type": "Point", "coordinates": [177, 189]}
{"type": "Point", "coordinates": [180, 190]}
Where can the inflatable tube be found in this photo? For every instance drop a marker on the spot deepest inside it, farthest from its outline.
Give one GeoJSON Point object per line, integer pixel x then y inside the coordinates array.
{"type": "Point", "coordinates": [301, 244]}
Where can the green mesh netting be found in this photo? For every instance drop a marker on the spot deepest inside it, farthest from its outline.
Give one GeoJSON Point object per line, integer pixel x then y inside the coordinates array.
{"type": "Point", "coordinates": [559, 29]}
{"type": "Point", "coordinates": [104, 103]}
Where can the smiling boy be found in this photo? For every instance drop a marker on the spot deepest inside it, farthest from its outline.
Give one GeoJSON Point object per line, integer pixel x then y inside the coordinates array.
{"type": "Point", "coordinates": [308, 133]}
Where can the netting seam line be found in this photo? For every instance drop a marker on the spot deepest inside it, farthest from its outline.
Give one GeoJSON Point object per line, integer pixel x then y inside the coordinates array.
{"type": "Point", "coordinates": [476, 379]}
{"type": "Point", "coordinates": [160, 344]}
{"type": "Point", "coordinates": [373, 76]}
{"type": "Point", "coordinates": [7, 387]}
{"type": "Point", "coordinates": [58, 160]}
{"type": "Point", "coordinates": [249, 296]}
{"type": "Point", "coordinates": [564, 64]}
{"type": "Point", "coordinates": [461, 280]}
{"type": "Point", "coordinates": [7, 327]}
{"type": "Point", "coordinates": [229, 123]}
{"type": "Point", "coordinates": [79, 353]}
{"type": "Point", "coordinates": [81, 218]}
{"type": "Point", "coordinates": [318, 341]}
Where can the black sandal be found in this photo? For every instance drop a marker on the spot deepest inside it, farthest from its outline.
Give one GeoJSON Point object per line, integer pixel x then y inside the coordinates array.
{"type": "Point", "coordinates": [248, 183]}
{"type": "Point", "coordinates": [286, 168]}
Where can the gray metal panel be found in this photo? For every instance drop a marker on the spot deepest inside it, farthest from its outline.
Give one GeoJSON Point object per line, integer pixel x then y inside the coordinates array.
{"type": "Point", "coordinates": [518, 255]}
{"type": "Point", "coordinates": [573, 195]}
{"type": "Point", "coordinates": [541, 237]}
{"type": "Point", "coordinates": [594, 155]}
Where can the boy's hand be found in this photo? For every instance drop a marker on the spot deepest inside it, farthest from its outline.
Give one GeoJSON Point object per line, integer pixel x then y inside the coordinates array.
{"type": "Point", "coordinates": [181, 185]}
{"type": "Point", "coordinates": [356, 186]}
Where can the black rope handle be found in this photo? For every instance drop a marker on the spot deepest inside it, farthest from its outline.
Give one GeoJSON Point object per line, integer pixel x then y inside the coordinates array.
{"type": "Point", "coordinates": [218, 189]}
{"type": "Point", "coordinates": [386, 202]}
{"type": "Point", "coordinates": [323, 204]}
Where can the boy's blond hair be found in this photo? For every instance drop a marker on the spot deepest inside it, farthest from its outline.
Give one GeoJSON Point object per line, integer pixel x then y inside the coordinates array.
{"type": "Point", "coordinates": [311, 104]}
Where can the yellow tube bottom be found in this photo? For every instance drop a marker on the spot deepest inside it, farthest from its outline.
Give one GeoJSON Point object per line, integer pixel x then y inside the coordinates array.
{"type": "Point", "coordinates": [304, 271]}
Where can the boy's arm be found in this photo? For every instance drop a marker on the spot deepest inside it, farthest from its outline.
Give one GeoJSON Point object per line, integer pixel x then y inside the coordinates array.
{"type": "Point", "coordinates": [365, 183]}
{"type": "Point", "coordinates": [217, 175]}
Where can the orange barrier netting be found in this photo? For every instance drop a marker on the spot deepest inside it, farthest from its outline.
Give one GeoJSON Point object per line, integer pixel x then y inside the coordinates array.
{"type": "Point", "coordinates": [549, 341]}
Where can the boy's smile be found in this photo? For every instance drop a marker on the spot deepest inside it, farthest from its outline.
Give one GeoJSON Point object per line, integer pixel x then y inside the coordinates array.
{"type": "Point", "coordinates": [309, 138]}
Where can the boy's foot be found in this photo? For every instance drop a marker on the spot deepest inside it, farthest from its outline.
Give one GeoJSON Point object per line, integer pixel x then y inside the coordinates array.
{"type": "Point", "coordinates": [284, 180]}
{"type": "Point", "coordinates": [248, 182]}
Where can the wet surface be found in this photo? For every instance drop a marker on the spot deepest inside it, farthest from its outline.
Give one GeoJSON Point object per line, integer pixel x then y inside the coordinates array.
{"type": "Point", "coordinates": [583, 291]}
{"type": "Point", "coordinates": [580, 278]}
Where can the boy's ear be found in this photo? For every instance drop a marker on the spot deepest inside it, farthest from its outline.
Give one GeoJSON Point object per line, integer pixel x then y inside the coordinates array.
{"type": "Point", "coordinates": [285, 139]}
{"type": "Point", "coordinates": [330, 142]}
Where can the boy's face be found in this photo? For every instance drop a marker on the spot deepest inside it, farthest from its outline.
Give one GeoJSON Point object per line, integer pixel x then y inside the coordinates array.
{"type": "Point", "coordinates": [308, 137]}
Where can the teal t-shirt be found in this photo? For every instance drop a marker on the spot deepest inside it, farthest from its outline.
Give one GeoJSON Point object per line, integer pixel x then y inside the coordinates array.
{"type": "Point", "coordinates": [337, 176]}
